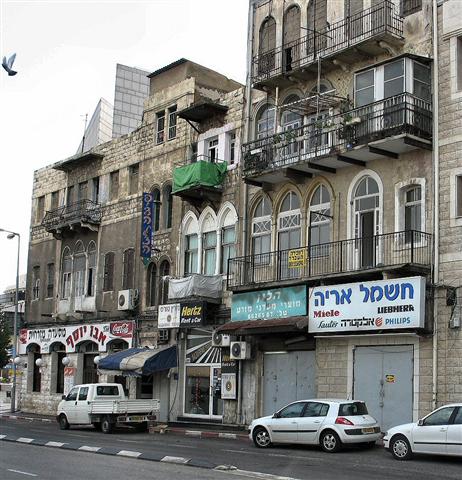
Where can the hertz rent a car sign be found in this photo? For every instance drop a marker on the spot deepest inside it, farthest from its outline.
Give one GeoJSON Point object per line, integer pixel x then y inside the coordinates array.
{"type": "Point", "coordinates": [380, 305]}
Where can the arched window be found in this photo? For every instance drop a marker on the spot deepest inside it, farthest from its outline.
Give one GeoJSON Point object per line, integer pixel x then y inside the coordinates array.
{"type": "Point", "coordinates": [91, 269]}
{"type": "Point", "coordinates": [290, 36]}
{"type": "Point", "coordinates": [108, 281]}
{"type": "Point", "coordinates": [289, 221]}
{"type": "Point", "coordinates": [264, 125]}
{"type": "Point", "coordinates": [319, 222]}
{"type": "Point", "coordinates": [366, 206]}
{"type": "Point", "coordinates": [156, 207]}
{"type": "Point", "coordinates": [152, 285]}
{"type": "Point", "coordinates": [78, 269]}
{"type": "Point", "coordinates": [209, 246]}
{"type": "Point", "coordinates": [266, 46]}
{"type": "Point", "coordinates": [191, 248]}
{"type": "Point", "coordinates": [261, 230]}
{"type": "Point", "coordinates": [164, 272]}
{"type": "Point", "coordinates": [128, 276]}
{"type": "Point", "coordinates": [66, 272]}
{"type": "Point", "coordinates": [167, 201]}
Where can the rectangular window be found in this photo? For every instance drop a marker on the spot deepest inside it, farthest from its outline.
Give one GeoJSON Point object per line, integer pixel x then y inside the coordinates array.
{"type": "Point", "coordinates": [133, 174]}
{"type": "Point", "coordinates": [70, 195]}
{"type": "Point", "coordinates": [50, 279]}
{"type": "Point", "coordinates": [364, 88]}
{"type": "Point", "coordinates": [228, 241]}
{"type": "Point", "coordinates": [82, 191]}
{"type": "Point", "coordinates": [36, 283]}
{"type": "Point", "coordinates": [212, 150]}
{"type": "Point", "coordinates": [66, 278]}
{"type": "Point", "coordinates": [160, 127]}
{"type": "Point", "coordinates": [91, 273]}
{"type": "Point", "coordinates": [95, 190]}
{"type": "Point", "coordinates": [459, 196]}
{"type": "Point", "coordinates": [393, 78]}
{"type": "Point", "coordinates": [40, 209]}
{"type": "Point", "coordinates": [114, 185]}
{"type": "Point", "coordinates": [422, 81]}
{"type": "Point", "coordinates": [232, 148]}
{"type": "Point", "coordinates": [172, 122]}
{"type": "Point", "coordinates": [54, 200]}
{"type": "Point", "coordinates": [209, 246]}
{"type": "Point", "coordinates": [191, 255]}
{"type": "Point", "coordinates": [79, 275]}
{"type": "Point", "coordinates": [108, 282]}
{"type": "Point", "coordinates": [128, 269]}
{"type": "Point", "coordinates": [459, 64]}
{"type": "Point", "coordinates": [410, 6]}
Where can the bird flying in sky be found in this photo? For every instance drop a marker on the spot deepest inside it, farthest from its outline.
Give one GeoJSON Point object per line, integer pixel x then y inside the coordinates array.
{"type": "Point", "coordinates": [8, 65]}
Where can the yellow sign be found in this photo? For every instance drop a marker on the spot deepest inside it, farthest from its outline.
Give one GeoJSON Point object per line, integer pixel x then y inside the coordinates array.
{"type": "Point", "coordinates": [390, 378]}
{"type": "Point", "coordinates": [297, 258]}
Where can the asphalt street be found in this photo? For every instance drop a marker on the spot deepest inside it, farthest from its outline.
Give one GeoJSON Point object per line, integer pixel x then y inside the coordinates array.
{"type": "Point", "coordinates": [293, 461]}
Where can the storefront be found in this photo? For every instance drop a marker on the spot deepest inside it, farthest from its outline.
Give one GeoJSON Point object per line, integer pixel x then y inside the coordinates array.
{"type": "Point", "coordinates": [55, 358]}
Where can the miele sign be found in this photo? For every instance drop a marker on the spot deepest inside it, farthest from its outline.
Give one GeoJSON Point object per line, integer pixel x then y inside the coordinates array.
{"type": "Point", "coordinates": [380, 305]}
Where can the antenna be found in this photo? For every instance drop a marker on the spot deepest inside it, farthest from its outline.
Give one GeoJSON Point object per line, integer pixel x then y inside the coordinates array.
{"type": "Point", "coordinates": [84, 131]}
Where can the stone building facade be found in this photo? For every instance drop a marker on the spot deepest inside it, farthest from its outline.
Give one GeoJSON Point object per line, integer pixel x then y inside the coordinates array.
{"type": "Point", "coordinates": [89, 291]}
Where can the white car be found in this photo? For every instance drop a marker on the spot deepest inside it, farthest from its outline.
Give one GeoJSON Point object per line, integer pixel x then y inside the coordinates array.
{"type": "Point", "coordinates": [328, 423]}
{"type": "Point", "coordinates": [439, 433]}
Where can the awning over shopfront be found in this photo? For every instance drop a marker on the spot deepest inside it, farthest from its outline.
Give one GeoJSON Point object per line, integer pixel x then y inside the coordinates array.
{"type": "Point", "coordinates": [138, 361]}
{"type": "Point", "coordinates": [292, 324]}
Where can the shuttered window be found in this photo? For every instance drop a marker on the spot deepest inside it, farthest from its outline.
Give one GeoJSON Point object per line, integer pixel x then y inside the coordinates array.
{"type": "Point", "coordinates": [108, 283]}
{"type": "Point", "coordinates": [128, 269]}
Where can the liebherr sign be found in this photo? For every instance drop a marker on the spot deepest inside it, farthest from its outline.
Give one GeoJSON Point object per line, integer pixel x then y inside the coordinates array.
{"type": "Point", "coordinates": [379, 305]}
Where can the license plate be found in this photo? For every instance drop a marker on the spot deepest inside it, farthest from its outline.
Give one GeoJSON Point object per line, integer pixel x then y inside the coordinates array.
{"type": "Point", "coordinates": [136, 418]}
{"type": "Point", "coordinates": [369, 430]}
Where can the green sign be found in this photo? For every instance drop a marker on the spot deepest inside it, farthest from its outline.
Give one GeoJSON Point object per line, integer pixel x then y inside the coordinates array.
{"type": "Point", "coordinates": [268, 304]}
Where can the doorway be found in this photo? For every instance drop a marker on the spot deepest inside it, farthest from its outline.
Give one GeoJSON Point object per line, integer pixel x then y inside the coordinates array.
{"type": "Point", "coordinates": [367, 239]}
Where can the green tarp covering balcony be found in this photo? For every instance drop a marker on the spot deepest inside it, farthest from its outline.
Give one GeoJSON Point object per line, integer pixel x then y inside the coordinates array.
{"type": "Point", "coordinates": [199, 174]}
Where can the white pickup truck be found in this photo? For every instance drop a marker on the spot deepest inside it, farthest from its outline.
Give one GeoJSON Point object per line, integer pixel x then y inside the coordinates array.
{"type": "Point", "coordinates": [103, 405]}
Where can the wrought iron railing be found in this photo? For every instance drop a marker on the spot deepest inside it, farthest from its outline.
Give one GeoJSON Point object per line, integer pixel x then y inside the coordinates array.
{"type": "Point", "coordinates": [331, 134]}
{"type": "Point", "coordinates": [82, 211]}
{"type": "Point", "coordinates": [408, 247]}
{"type": "Point", "coordinates": [351, 31]}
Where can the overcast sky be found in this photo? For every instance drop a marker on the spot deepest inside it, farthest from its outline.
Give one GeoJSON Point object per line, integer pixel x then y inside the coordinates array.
{"type": "Point", "coordinates": [66, 58]}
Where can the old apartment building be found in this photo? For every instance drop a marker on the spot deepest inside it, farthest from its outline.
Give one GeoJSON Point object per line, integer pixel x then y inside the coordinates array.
{"type": "Point", "coordinates": [96, 275]}
{"type": "Point", "coordinates": [297, 237]}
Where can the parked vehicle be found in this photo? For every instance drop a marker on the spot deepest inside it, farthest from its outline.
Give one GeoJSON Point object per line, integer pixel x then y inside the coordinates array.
{"type": "Point", "coordinates": [439, 433]}
{"type": "Point", "coordinates": [104, 405]}
{"type": "Point", "coordinates": [328, 423]}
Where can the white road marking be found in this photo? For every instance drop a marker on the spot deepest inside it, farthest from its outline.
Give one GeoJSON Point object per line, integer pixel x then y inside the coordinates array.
{"type": "Point", "coordinates": [54, 444]}
{"type": "Point", "coordinates": [2, 436]}
{"type": "Point", "coordinates": [128, 441]}
{"type": "Point", "coordinates": [170, 459]}
{"type": "Point", "coordinates": [25, 440]}
{"type": "Point", "coordinates": [128, 453]}
{"type": "Point", "coordinates": [265, 476]}
{"type": "Point", "coordinates": [23, 473]}
{"type": "Point", "coordinates": [86, 448]}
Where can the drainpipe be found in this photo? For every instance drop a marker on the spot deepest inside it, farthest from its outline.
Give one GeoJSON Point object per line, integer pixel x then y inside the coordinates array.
{"type": "Point", "coordinates": [436, 206]}
{"type": "Point", "coordinates": [245, 219]}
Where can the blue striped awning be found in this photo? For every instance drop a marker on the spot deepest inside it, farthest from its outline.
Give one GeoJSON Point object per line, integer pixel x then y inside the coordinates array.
{"type": "Point", "coordinates": [139, 361]}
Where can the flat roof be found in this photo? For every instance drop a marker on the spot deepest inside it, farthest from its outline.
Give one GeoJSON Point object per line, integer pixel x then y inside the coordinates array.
{"type": "Point", "coordinates": [168, 67]}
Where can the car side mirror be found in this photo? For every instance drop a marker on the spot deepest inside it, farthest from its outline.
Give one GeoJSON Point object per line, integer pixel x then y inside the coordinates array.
{"type": "Point", "coordinates": [63, 397]}
{"type": "Point", "coordinates": [420, 422]}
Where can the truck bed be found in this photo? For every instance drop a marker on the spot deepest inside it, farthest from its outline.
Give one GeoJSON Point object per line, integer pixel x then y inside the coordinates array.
{"type": "Point", "coordinates": [119, 407]}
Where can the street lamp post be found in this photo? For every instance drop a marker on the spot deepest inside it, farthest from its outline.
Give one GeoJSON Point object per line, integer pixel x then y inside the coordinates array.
{"type": "Point", "coordinates": [15, 319]}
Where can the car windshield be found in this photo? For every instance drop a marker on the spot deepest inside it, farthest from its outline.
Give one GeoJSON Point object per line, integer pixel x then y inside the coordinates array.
{"type": "Point", "coordinates": [352, 409]}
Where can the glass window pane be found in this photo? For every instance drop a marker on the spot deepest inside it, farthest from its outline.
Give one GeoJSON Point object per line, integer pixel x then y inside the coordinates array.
{"type": "Point", "coordinates": [364, 97]}
{"type": "Point", "coordinates": [393, 70]}
{"type": "Point", "coordinates": [372, 186]}
{"type": "Point", "coordinates": [292, 411]}
{"type": "Point", "coordinates": [365, 79]}
{"type": "Point", "coordinates": [229, 235]}
{"type": "Point", "coordinates": [421, 72]}
{"type": "Point", "coordinates": [441, 417]}
{"type": "Point", "coordinates": [393, 87]}
{"type": "Point", "coordinates": [361, 189]}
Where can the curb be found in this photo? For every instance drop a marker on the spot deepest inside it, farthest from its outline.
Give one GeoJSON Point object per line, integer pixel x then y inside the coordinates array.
{"type": "Point", "coordinates": [111, 452]}
{"type": "Point", "coordinates": [23, 417]}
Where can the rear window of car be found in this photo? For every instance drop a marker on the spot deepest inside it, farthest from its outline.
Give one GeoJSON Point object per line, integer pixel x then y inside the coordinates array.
{"type": "Point", "coordinates": [111, 390]}
{"type": "Point", "coordinates": [352, 409]}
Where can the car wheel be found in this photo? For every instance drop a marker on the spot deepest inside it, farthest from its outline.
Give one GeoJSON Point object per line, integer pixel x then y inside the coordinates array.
{"type": "Point", "coordinates": [261, 437]}
{"type": "Point", "coordinates": [106, 425]}
{"type": "Point", "coordinates": [330, 442]}
{"type": "Point", "coordinates": [400, 448]}
{"type": "Point", "coordinates": [63, 423]}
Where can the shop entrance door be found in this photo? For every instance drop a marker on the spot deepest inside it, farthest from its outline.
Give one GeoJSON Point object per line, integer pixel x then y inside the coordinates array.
{"type": "Point", "coordinates": [287, 376]}
{"type": "Point", "coordinates": [202, 391]}
{"type": "Point", "coordinates": [383, 378]}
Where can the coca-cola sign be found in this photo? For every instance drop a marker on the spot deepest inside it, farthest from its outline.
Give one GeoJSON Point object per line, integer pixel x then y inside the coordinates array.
{"type": "Point", "coordinates": [122, 329]}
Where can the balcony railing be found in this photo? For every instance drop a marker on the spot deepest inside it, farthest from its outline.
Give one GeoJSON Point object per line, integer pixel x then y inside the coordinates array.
{"type": "Point", "coordinates": [83, 211]}
{"type": "Point", "coordinates": [409, 247]}
{"type": "Point", "coordinates": [334, 134]}
{"type": "Point", "coordinates": [366, 25]}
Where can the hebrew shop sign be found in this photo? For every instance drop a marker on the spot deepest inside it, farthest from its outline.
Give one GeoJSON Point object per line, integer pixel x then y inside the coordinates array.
{"type": "Point", "coordinates": [378, 305]}
{"type": "Point", "coordinates": [71, 335]}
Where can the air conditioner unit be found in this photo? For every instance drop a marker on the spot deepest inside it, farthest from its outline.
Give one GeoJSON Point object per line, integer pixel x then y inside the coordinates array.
{"type": "Point", "coordinates": [220, 339]}
{"type": "Point", "coordinates": [126, 299]}
{"type": "Point", "coordinates": [239, 351]}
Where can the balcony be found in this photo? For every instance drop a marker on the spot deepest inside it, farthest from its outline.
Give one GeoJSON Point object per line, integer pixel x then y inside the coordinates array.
{"type": "Point", "coordinates": [387, 128]}
{"type": "Point", "coordinates": [366, 33]}
{"type": "Point", "coordinates": [407, 251]}
{"type": "Point", "coordinates": [78, 215]}
{"type": "Point", "coordinates": [199, 181]}
{"type": "Point", "coordinates": [196, 286]}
